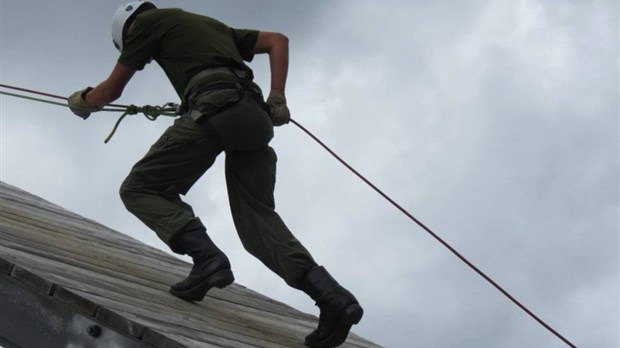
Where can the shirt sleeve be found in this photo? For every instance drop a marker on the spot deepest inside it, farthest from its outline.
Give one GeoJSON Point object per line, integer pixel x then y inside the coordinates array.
{"type": "Point", "coordinates": [140, 45]}
{"type": "Point", "coordinates": [245, 40]}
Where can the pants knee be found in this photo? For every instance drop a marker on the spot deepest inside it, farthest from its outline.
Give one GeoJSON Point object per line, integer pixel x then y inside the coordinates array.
{"type": "Point", "coordinates": [252, 249]}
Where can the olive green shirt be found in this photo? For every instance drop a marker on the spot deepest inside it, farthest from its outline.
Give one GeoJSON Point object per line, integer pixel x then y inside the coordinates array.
{"type": "Point", "coordinates": [184, 43]}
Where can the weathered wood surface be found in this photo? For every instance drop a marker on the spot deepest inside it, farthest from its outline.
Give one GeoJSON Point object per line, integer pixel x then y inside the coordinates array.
{"type": "Point", "coordinates": [124, 283]}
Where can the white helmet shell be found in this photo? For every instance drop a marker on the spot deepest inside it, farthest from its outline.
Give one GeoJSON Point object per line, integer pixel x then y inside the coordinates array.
{"type": "Point", "coordinates": [123, 13]}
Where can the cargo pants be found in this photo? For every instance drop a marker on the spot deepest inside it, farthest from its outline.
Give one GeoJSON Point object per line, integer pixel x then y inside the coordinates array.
{"type": "Point", "coordinates": [152, 190]}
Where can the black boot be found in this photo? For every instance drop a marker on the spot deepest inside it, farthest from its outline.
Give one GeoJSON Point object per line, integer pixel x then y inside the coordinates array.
{"type": "Point", "coordinates": [211, 266]}
{"type": "Point", "coordinates": [339, 309]}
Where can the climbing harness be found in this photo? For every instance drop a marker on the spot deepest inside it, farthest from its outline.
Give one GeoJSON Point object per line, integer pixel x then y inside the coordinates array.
{"type": "Point", "coordinates": [211, 74]}
{"type": "Point", "coordinates": [149, 111]}
{"type": "Point", "coordinates": [152, 113]}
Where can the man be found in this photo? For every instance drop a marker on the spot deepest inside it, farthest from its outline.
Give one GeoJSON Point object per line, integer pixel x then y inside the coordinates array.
{"type": "Point", "coordinates": [224, 112]}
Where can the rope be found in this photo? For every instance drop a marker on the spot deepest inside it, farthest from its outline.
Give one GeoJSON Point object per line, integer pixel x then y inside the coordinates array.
{"type": "Point", "coordinates": [48, 94]}
{"type": "Point", "coordinates": [49, 101]}
{"type": "Point", "coordinates": [429, 231]}
{"type": "Point", "coordinates": [149, 111]}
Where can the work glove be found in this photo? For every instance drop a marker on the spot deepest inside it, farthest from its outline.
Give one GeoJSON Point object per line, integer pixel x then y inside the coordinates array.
{"type": "Point", "coordinates": [279, 111]}
{"type": "Point", "coordinates": [78, 106]}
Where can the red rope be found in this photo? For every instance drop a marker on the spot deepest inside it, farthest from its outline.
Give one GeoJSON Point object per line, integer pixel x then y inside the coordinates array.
{"type": "Point", "coordinates": [454, 251]}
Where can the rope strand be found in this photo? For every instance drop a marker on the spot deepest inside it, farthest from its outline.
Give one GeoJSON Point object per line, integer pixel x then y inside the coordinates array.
{"type": "Point", "coordinates": [51, 102]}
{"type": "Point", "coordinates": [439, 239]}
{"type": "Point", "coordinates": [149, 111]}
{"type": "Point", "coordinates": [49, 95]}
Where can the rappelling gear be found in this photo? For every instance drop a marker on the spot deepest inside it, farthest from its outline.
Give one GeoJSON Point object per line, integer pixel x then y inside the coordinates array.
{"type": "Point", "coordinates": [123, 16]}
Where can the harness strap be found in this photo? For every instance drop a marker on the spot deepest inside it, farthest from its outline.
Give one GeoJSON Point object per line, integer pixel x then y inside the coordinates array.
{"type": "Point", "coordinates": [223, 70]}
{"type": "Point", "coordinates": [211, 87]}
{"type": "Point", "coordinates": [201, 119]}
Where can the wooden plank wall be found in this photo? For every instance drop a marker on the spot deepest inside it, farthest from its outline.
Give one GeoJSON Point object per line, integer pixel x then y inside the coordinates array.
{"type": "Point", "coordinates": [125, 282]}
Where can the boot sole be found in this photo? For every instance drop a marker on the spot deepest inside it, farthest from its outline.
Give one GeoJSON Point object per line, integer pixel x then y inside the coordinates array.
{"type": "Point", "coordinates": [351, 316]}
{"type": "Point", "coordinates": [219, 280]}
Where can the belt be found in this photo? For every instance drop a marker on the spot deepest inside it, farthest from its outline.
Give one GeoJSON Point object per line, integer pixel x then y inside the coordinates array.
{"type": "Point", "coordinates": [201, 76]}
{"type": "Point", "coordinates": [215, 86]}
{"type": "Point", "coordinates": [246, 85]}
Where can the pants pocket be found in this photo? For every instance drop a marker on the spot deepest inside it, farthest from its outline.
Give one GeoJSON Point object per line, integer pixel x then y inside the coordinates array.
{"type": "Point", "coordinates": [213, 102]}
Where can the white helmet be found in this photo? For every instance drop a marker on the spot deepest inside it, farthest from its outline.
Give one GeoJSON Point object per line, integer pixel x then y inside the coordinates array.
{"type": "Point", "coordinates": [121, 17]}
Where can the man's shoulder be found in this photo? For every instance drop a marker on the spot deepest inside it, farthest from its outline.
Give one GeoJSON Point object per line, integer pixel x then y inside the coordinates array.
{"type": "Point", "coordinates": [155, 15]}
{"type": "Point", "coordinates": [175, 15]}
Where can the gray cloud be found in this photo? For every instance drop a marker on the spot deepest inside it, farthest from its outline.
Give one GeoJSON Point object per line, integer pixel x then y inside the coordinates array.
{"type": "Point", "coordinates": [495, 123]}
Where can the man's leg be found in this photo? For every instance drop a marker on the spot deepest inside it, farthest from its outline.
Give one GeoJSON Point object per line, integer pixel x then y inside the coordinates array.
{"type": "Point", "coordinates": [250, 177]}
{"type": "Point", "coordinates": [173, 164]}
{"type": "Point", "coordinates": [152, 193]}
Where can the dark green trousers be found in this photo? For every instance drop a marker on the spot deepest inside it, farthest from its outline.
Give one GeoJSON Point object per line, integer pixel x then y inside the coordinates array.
{"type": "Point", "coordinates": [184, 153]}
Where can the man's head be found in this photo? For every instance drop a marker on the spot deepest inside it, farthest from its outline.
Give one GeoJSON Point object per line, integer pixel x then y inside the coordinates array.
{"type": "Point", "coordinates": [123, 18]}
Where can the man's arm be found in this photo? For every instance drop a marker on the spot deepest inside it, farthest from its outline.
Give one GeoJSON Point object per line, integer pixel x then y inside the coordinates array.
{"type": "Point", "coordinates": [276, 45]}
{"type": "Point", "coordinates": [110, 89]}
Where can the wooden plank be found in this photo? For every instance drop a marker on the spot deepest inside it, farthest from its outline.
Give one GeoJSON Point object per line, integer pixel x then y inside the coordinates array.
{"type": "Point", "coordinates": [5, 266]}
{"type": "Point", "coordinates": [226, 314]}
{"type": "Point", "coordinates": [181, 274]}
{"type": "Point", "coordinates": [131, 292]}
{"type": "Point", "coordinates": [91, 257]}
{"type": "Point", "coordinates": [119, 322]}
{"type": "Point", "coordinates": [186, 321]}
{"type": "Point", "coordinates": [125, 283]}
{"type": "Point", "coordinates": [194, 343]}
{"type": "Point", "coordinates": [160, 340]}
{"type": "Point", "coordinates": [75, 301]}
{"type": "Point", "coordinates": [133, 277]}
{"type": "Point", "coordinates": [280, 307]}
{"type": "Point", "coordinates": [204, 329]}
{"type": "Point", "coordinates": [117, 277]}
{"type": "Point", "coordinates": [32, 280]}
{"type": "Point", "coordinates": [59, 225]}
{"type": "Point", "coordinates": [112, 264]}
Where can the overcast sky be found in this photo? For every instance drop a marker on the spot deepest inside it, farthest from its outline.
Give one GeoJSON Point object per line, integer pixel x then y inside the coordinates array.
{"type": "Point", "coordinates": [496, 123]}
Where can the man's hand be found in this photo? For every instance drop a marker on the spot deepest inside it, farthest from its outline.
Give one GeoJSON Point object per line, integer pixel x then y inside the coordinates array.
{"type": "Point", "coordinates": [276, 45]}
{"type": "Point", "coordinates": [279, 111]}
{"type": "Point", "coordinates": [78, 106]}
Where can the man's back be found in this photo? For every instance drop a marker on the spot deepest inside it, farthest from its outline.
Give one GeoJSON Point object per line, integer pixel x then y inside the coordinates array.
{"type": "Point", "coordinates": [184, 43]}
